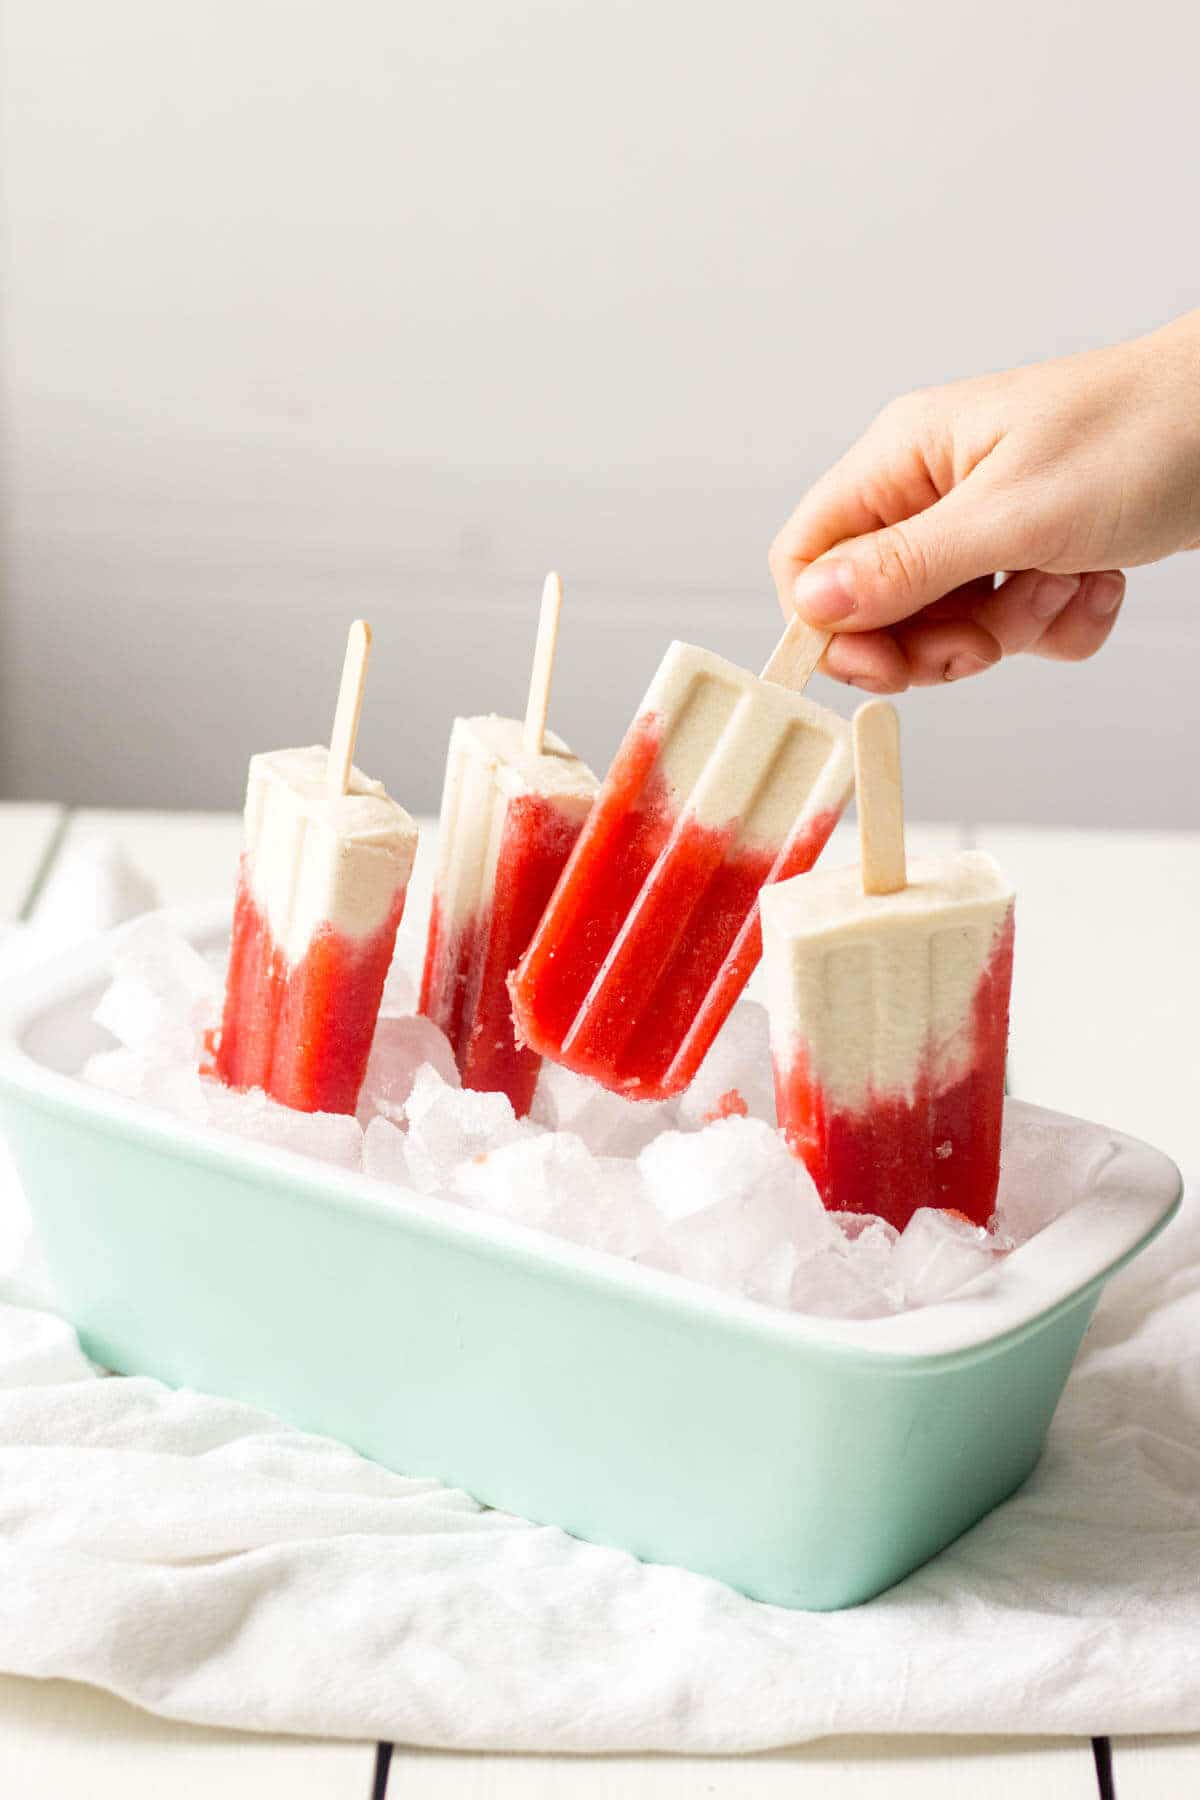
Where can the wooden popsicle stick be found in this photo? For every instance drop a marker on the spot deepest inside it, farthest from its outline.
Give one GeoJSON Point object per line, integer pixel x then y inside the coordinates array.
{"type": "Point", "coordinates": [540, 676]}
{"type": "Point", "coordinates": [349, 710]}
{"type": "Point", "coordinates": [880, 798]}
{"type": "Point", "coordinates": [796, 655]}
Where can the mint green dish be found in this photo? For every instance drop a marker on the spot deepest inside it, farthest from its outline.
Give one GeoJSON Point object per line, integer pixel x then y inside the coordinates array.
{"type": "Point", "coordinates": [805, 1461]}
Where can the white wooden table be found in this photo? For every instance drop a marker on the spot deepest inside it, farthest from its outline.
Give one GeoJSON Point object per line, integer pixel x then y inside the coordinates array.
{"type": "Point", "coordinates": [1103, 1025]}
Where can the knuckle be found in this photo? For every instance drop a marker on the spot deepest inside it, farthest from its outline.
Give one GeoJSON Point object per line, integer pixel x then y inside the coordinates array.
{"type": "Point", "coordinates": [1079, 649]}
{"type": "Point", "coordinates": [1071, 644]}
{"type": "Point", "coordinates": [904, 411]}
{"type": "Point", "coordinates": [900, 564]}
{"type": "Point", "coordinates": [888, 423]}
{"type": "Point", "coordinates": [1065, 652]}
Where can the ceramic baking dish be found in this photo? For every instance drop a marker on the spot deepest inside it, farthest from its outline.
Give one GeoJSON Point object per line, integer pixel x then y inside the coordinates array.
{"type": "Point", "coordinates": [806, 1461]}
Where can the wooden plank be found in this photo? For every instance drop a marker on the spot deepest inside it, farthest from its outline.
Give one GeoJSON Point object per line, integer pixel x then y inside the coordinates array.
{"type": "Point", "coordinates": [26, 834]}
{"type": "Point", "coordinates": [836, 1768]}
{"type": "Point", "coordinates": [1156, 1768]}
{"type": "Point", "coordinates": [1106, 977]}
{"type": "Point", "coordinates": [58, 1738]}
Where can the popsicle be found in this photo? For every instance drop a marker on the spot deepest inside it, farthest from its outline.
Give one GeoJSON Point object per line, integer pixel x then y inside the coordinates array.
{"type": "Point", "coordinates": [326, 857]}
{"type": "Point", "coordinates": [723, 782]}
{"type": "Point", "coordinates": [514, 803]}
{"type": "Point", "coordinates": [887, 990]}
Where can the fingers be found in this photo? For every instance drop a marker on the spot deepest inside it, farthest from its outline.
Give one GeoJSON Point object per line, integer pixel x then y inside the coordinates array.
{"type": "Point", "coordinates": [1021, 609]}
{"type": "Point", "coordinates": [945, 644]}
{"type": "Point", "coordinates": [1067, 617]}
{"type": "Point", "coordinates": [946, 650]}
{"type": "Point", "coordinates": [885, 576]}
{"type": "Point", "coordinates": [871, 660]}
{"type": "Point", "coordinates": [896, 561]}
{"type": "Point", "coordinates": [1083, 626]}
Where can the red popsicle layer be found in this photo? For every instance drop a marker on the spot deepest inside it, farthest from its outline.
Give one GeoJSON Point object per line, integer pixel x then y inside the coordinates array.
{"type": "Point", "coordinates": [652, 932]}
{"type": "Point", "coordinates": [301, 1031]}
{"type": "Point", "coordinates": [464, 988]}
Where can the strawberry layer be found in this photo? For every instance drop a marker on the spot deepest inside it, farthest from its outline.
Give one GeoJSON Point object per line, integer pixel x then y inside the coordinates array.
{"type": "Point", "coordinates": [652, 933]}
{"type": "Point", "coordinates": [301, 1031]}
{"type": "Point", "coordinates": [938, 1145]}
{"type": "Point", "coordinates": [464, 987]}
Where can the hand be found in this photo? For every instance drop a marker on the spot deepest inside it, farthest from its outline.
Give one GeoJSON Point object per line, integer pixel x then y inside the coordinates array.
{"type": "Point", "coordinates": [1061, 474]}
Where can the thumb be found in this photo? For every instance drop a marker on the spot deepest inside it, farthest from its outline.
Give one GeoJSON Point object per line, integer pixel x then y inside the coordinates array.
{"type": "Point", "coordinates": [887, 575]}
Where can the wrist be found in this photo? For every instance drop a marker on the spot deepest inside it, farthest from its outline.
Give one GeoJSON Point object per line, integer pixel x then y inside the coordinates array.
{"type": "Point", "coordinates": [1173, 354]}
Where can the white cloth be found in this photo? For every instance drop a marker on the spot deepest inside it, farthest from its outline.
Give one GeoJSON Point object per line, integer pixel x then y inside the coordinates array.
{"type": "Point", "coordinates": [212, 1565]}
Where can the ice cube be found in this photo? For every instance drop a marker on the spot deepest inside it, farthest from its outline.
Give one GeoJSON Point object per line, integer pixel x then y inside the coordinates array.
{"type": "Point", "coordinates": [547, 1179]}
{"type": "Point", "coordinates": [138, 1075]}
{"type": "Point", "coordinates": [1044, 1170]}
{"type": "Point", "coordinates": [937, 1253]}
{"type": "Point", "coordinates": [868, 1246]}
{"type": "Point", "coordinates": [832, 1286]}
{"type": "Point", "coordinates": [399, 1048]}
{"type": "Point", "coordinates": [385, 1153]}
{"type": "Point", "coordinates": [449, 1125]}
{"type": "Point", "coordinates": [772, 1275]}
{"type": "Point", "coordinates": [551, 1181]}
{"type": "Point", "coordinates": [400, 988]}
{"type": "Point", "coordinates": [609, 1124]}
{"type": "Point", "coordinates": [330, 1137]}
{"type": "Point", "coordinates": [164, 995]}
{"type": "Point", "coordinates": [734, 1201]}
{"type": "Point", "coordinates": [625, 1221]}
{"type": "Point", "coordinates": [735, 1077]}
{"type": "Point", "coordinates": [726, 1162]}
{"type": "Point", "coordinates": [855, 1225]}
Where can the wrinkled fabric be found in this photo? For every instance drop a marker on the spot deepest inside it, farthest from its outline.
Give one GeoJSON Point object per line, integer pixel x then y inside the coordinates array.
{"type": "Point", "coordinates": [211, 1564]}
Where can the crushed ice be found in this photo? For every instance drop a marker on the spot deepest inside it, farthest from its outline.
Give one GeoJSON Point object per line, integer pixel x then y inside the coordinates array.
{"type": "Point", "coordinates": [703, 1186]}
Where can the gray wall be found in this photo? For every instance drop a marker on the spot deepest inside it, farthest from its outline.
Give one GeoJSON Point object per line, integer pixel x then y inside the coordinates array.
{"type": "Point", "coordinates": [314, 309]}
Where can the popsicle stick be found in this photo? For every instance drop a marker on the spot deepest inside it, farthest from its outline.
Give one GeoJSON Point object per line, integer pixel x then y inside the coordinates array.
{"type": "Point", "coordinates": [538, 705]}
{"type": "Point", "coordinates": [796, 655]}
{"type": "Point", "coordinates": [880, 798]}
{"type": "Point", "coordinates": [349, 710]}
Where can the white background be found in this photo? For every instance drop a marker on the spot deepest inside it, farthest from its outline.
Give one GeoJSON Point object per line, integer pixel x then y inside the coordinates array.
{"type": "Point", "coordinates": [315, 308]}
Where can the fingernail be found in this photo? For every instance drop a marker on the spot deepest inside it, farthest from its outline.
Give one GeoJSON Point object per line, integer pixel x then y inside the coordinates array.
{"type": "Point", "coordinates": [868, 684]}
{"type": "Point", "coordinates": [825, 592]}
{"type": "Point", "coordinates": [1105, 593]}
{"type": "Point", "coordinates": [965, 663]}
{"type": "Point", "coordinates": [1051, 594]}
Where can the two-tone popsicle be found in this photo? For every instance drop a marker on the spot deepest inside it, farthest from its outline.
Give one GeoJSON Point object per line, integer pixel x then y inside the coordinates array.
{"type": "Point", "coordinates": [888, 993]}
{"type": "Point", "coordinates": [514, 803]}
{"type": "Point", "coordinates": [324, 872]}
{"type": "Point", "coordinates": [724, 782]}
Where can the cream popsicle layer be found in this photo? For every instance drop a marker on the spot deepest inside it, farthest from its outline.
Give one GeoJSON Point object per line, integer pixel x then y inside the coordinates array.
{"type": "Point", "coordinates": [321, 890]}
{"type": "Point", "coordinates": [510, 818]}
{"type": "Point", "coordinates": [723, 782]}
{"type": "Point", "coordinates": [889, 1022]}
